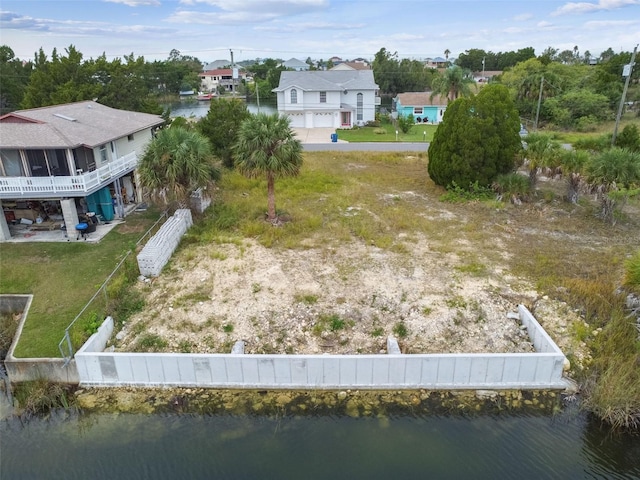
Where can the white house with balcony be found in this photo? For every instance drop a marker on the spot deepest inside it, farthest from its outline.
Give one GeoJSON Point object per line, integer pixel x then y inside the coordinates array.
{"type": "Point", "coordinates": [328, 98]}
{"type": "Point", "coordinates": [64, 160]}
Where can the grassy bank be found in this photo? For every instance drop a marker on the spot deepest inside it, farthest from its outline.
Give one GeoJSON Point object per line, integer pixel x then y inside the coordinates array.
{"type": "Point", "coordinates": [63, 276]}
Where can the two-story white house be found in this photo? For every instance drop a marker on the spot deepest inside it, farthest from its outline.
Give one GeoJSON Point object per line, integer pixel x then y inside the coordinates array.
{"type": "Point", "coordinates": [63, 160]}
{"type": "Point", "coordinates": [331, 98]}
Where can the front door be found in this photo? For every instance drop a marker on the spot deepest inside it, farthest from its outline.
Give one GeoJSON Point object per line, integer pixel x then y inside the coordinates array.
{"type": "Point", "coordinates": [346, 119]}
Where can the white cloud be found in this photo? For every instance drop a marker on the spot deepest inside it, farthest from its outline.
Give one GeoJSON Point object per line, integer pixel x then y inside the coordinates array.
{"type": "Point", "coordinates": [588, 7]}
{"type": "Point", "coordinates": [136, 3]}
{"type": "Point", "coordinates": [544, 24]}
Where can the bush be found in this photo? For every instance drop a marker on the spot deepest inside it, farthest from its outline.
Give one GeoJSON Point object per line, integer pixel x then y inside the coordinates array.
{"type": "Point", "coordinates": [632, 271]}
{"type": "Point", "coordinates": [594, 144]}
{"type": "Point", "coordinates": [629, 138]}
{"type": "Point", "coordinates": [477, 140]}
{"type": "Point", "coordinates": [512, 186]}
{"type": "Point", "coordinates": [587, 124]}
{"type": "Point", "coordinates": [457, 194]}
{"type": "Point", "coordinates": [405, 123]}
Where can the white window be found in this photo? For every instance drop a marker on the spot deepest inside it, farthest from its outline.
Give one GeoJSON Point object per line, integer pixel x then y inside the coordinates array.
{"type": "Point", "coordinates": [323, 97]}
{"type": "Point", "coordinates": [359, 106]}
{"type": "Point", "coordinates": [417, 110]}
{"type": "Point", "coordinates": [103, 153]}
{"type": "Point", "coordinates": [294, 95]}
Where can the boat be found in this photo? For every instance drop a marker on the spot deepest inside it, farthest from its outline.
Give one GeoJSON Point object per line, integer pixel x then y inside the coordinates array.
{"type": "Point", "coordinates": [205, 96]}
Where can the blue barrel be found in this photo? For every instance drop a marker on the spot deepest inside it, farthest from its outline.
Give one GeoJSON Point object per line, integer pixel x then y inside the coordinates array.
{"type": "Point", "coordinates": [334, 137]}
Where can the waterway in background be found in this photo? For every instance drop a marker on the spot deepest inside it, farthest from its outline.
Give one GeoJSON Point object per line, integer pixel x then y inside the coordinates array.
{"type": "Point", "coordinates": [198, 109]}
{"type": "Point", "coordinates": [568, 445]}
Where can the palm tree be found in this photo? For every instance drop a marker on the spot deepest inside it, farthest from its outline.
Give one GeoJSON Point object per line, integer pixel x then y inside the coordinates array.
{"type": "Point", "coordinates": [452, 83]}
{"type": "Point", "coordinates": [266, 146]}
{"type": "Point", "coordinates": [177, 162]}
{"type": "Point", "coordinates": [447, 52]}
{"type": "Point", "coordinates": [540, 151]}
{"type": "Point", "coordinates": [614, 174]}
{"type": "Point", "coordinates": [572, 162]}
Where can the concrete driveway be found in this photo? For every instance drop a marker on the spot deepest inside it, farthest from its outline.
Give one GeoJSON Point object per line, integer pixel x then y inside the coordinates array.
{"type": "Point", "coordinates": [315, 135]}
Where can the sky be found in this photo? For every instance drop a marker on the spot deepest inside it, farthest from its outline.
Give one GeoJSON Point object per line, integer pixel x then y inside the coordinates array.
{"type": "Point", "coordinates": [320, 29]}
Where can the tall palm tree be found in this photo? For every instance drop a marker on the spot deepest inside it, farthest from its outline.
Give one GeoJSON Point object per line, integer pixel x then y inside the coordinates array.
{"type": "Point", "coordinates": [447, 52]}
{"type": "Point", "coordinates": [452, 83]}
{"type": "Point", "coordinates": [177, 162]}
{"type": "Point", "coordinates": [266, 146]}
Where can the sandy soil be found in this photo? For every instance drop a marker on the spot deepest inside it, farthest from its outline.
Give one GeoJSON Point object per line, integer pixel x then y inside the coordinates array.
{"type": "Point", "coordinates": [343, 300]}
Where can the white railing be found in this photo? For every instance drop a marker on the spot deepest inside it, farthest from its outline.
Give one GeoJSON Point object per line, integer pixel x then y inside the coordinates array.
{"type": "Point", "coordinates": [11, 187]}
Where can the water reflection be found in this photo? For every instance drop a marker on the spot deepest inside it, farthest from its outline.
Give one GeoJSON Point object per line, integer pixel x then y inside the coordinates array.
{"type": "Point", "coordinates": [225, 446]}
{"type": "Point", "coordinates": [199, 109]}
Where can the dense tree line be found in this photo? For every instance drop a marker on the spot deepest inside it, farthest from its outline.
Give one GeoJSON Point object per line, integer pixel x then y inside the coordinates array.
{"type": "Point", "coordinates": [472, 59]}
{"type": "Point", "coordinates": [396, 76]}
{"type": "Point", "coordinates": [128, 83]}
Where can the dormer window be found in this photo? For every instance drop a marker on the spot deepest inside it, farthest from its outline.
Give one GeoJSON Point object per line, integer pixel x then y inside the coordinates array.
{"type": "Point", "coordinates": [294, 95]}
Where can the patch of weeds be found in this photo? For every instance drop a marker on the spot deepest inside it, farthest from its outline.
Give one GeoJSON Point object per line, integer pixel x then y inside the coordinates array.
{"type": "Point", "coordinates": [307, 299]}
{"type": "Point", "coordinates": [185, 346]}
{"type": "Point", "coordinates": [459, 318]}
{"type": "Point", "coordinates": [190, 298]}
{"type": "Point", "coordinates": [227, 328]}
{"type": "Point", "coordinates": [332, 323]}
{"type": "Point", "coordinates": [427, 311]}
{"type": "Point", "coordinates": [456, 302]}
{"type": "Point", "coordinates": [216, 255]}
{"type": "Point", "coordinates": [377, 332]}
{"type": "Point", "coordinates": [151, 342]}
{"type": "Point", "coordinates": [403, 297]}
{"type": "Point", "coordinates": [475, 269]}
{"type": "Point", "coordinates": [475, 192]}
{"type": "Point", "coordinates": [400, 330]}
{"type": "Point", "coordinates": [138, 328]}
{"type": "Point", "coordinates": [341, 300]}
{"type": "Point", "coordinates": [92, 323]}
{"type": "Point", "coordinates": [39, 397]}
{"type": "Point", "coordinates": [256, 287]}
{"type": "Point", "coordinates": [581, 331]}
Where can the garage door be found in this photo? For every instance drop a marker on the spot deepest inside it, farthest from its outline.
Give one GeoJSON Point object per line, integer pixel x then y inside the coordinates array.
{"type": "Point", "coordinates": [323, 120]}
{"type": "Point", "coordinates": [297, 120]}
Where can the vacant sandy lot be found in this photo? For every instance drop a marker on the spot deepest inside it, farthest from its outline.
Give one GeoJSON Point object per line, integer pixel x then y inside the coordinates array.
{"type": "Point", "coordinates": [332, 300]}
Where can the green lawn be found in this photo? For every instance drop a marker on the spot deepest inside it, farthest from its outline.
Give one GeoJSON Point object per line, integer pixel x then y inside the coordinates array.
{"type": "Point", "coordinates": [387, 133]}
{"type": "Point", "coordinates": [63, 276]}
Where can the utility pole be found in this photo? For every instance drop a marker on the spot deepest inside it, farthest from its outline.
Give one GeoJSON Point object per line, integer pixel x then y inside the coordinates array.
{"type": "Point", "coordinates": [624, 95]}
{"type": "Point", "coordinates": [233, 80]}
{"type": "Point", "coordinates": [535, 125]}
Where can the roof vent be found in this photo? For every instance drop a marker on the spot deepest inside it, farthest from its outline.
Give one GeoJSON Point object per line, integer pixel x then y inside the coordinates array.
{"type": "Point", "coordinates": [64, 117]}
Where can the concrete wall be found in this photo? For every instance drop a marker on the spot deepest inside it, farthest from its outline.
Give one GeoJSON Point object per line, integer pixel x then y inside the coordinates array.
{"type": "Point", "coordinates": [94, 367]}
{"type": "Point", "coordinates": [442, 371]}
{"type": "Point", "coordinates": [26, 369]}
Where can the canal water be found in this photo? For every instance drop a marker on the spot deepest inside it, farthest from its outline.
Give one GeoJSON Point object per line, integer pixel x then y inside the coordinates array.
{"type": "Point", "coordinates": [199, 109]}
{"type": "Point", "coordinates": [568, 445]}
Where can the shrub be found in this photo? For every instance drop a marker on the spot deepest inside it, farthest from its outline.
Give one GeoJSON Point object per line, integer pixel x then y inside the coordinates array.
{"type": "Point", "coordinates": [629, 138]}
{"type": "Point", "coordinates": [512, 186]}
{"type": "Point", "coordinates": [405, 123]}
{"type": "Point", "coordinates": [457, 194]}
{"type": "Point", "coordinates": [632, 271]}
{"type": "Point", "coordinates": [477, 140]}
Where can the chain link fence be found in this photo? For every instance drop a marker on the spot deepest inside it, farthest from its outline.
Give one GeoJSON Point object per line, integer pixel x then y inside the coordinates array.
{"type": "Point", "coordinates": [115, 297]}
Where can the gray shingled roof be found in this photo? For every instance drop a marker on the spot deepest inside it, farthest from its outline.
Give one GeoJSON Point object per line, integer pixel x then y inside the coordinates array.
{"type": "Point", "coordinates": [72, 125]}
{"type": "Point", "coordinates": [328, 80]}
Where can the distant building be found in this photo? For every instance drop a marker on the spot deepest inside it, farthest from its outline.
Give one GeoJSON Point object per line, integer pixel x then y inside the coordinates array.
{"type": "Point", "coordinates": [295, 64]}
{"type": "Point", "coordinates": [210, 80]}
{"type": "Point", "coordinates": [421, 106]}
{"type": "Point", "coordinates": [328, 98]}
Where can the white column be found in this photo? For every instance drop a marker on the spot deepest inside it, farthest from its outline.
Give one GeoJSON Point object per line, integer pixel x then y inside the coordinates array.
{"type": "Point", "coordinates": [70, 214]}
{"type": "Point", "coordinates": [4, 226]}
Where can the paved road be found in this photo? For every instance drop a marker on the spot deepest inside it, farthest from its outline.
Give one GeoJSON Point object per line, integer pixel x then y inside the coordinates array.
{"type": "Point", "coordinates": [366, 146]}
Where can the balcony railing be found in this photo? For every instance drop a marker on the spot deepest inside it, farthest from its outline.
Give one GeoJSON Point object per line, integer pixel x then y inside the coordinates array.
{"type": "Point", "coordinates": [12, 187]}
